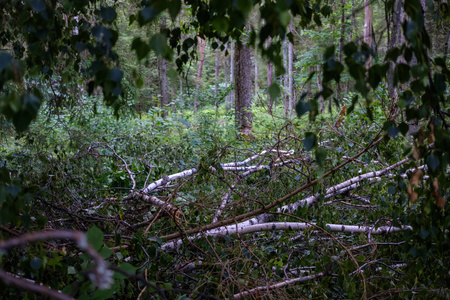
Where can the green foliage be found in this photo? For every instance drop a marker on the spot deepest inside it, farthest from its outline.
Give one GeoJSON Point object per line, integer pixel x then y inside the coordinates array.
{"type": "Point", "coordinates": [70, 169]}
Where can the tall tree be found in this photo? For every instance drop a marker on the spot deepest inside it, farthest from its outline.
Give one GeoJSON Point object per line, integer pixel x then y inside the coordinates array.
{"type": "Point", "coordinates": [163, 82]}
{"type": "Point", "coordinates": [242, 88]}
{"type": "Point", "coordinates": [353, 21]}
{"type": "Point", "coordinates": [395, 38]}
{"type": "Point", "coordinates": [230, 101]}
{"type": "Point", "coordinates": [216, 73]}
{"type": "Point", "coordinates": [284, 78]}
{"type": "Point", "coordinates": [368, 34]}
{"type": "Point", "coordinates": [255, 61]}
{"type": "Point", "coordinates": [269, 80]}
{"type": "Point", "coordinates": [201, 48]}
{"type": "Point", "coordinates": [291, 74]}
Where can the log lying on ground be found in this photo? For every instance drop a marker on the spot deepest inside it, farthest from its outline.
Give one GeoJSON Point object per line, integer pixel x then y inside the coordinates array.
{"type": "Point", "coordinates": [234, 166]}
{"type": "Point", "coordinates": [287, 226]}
{"type": "Point", "coordinates": [264, 219]}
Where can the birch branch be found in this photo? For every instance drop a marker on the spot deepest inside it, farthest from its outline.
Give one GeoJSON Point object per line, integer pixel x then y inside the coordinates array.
{"type": "Point", "coordinates": [246, 161]}
{"type": "Point", "coordinates": [100, 276]}
{"type": "Point", "coordinates": [265, 218]}
{"type": "Point", "coordinates": [342, 187]}
{"type": "Point", "coordinates": [273, 226]}
{"type": "Point", "coordinates": [234, 166]}
{"type": "Point", "coordinates": [275, 203]}
{"type": "Point", "coordinates": [29, 285]}
{"type": "Point", "coordinates": [278, 285]}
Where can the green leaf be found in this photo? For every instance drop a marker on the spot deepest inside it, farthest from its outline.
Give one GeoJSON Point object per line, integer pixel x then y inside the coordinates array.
{"type": "Point", "coordinates": [5, 60]}
{"type": "Point", "coordinates": [158, 43]}
{"type": "Point", "coordinates": [105, 252]}
{"type": "Point", "coordinates": [116, 74]}
{"type": "Point", "coordinates": [95, 237]}
{"type": "Point", "coordinates": [38, 5]}
{"type": "Point", "coordinates": [108, 14]}
{"type": "Point", "coordinates": [393, 131]}
{"type": "Point", "coordinates": [29, 107]}
{"type": "Point", "coordinates": [245, 6]}
{"type": "Point", "coordinates": [141, 48]}
{"type": "Point", "coordinates": [71, 270]}
{"type": "Point", "coordinates": [147, 14]}
{"type": "Point", "coordinates": [439, 83]}
{"type": "Point", "coordinates": [302, 107]}
{"type": "Point", "coordinates": [402, 73]}
{"type": "Point", "coordinates": [127, 268]}
{"type": "Point", "coordinates": [433, 162]}
{"type": "Point", "coordinates": [321, 155]}
{"type": "Point", "coordinates": [36, 263]}
{"type": "Point", "coordinates": [174, 7]}
{"type": "Point", "coordinates": [310, 141]}
{"type": "Point", "coordinates": [274, 91]}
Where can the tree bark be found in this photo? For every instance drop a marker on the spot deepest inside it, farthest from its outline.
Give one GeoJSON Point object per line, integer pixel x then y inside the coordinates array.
{"type": "Point", "coordinates": [225, 74]}
{"type": "Point", "coordinates": [163, 82]}
{"type": "Point", "coordinates": [255, 61]}
{"type": "Point", "coordinates": [368, 34]}
{"type": "Point", "coordinates": [319, 87]}
{"type": "Point", "coordinates": [395, 38]}
{"type": "Point", "coordinates": [230, 101]}
{"type": "Point", "coordinates": [353, 20]}
{"type": "Point", "coordinates": [216, 74]}
{"type": "Point", "coordinates": [291, 75]}
{"type": "Point", "coordinates": [285, 81]}
{"type": "Point", "coordinates": [242, 89]}
{"type": "Point", "coordinates": [201, 47]}
{"type": "Point", "coordinates": [269, 81]}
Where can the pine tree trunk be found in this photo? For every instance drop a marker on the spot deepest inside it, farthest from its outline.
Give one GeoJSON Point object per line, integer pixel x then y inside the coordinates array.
{"type": "Point", "coordinates": [319, 87]}
{"type": "Point", "coordinates": [163, 82]}
{"type": "Point", "coordinates": [341, 48]}
{"type": "Point", "coordinates": [201, 47]}
{"type": "Point", "coordinates": [225, 73]}
{"type": "Point", "coordinates": [269, 81]}
{"type": "Point", "coordinates": [256, 73]}
{"type": "Point", "coordinates": [394, 41]}
{"type": "Point", "coordinates": [368, 35]}
{"type": "Point", "coordinates": [231, 101]}
{"type": "Point", "coordinates": [291, 75]}
{"type": "Point", "coordinates": [285, 81]}
{"type": "Point", "coordinates": [216, 75]}
{"type": "Point", "coordinates": [242, 89]}
{"type": "Point", "coordinates": [353, 21]}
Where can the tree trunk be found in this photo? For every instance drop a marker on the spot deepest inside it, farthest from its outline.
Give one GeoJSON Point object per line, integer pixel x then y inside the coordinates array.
{"type": "Point", "coordinates": [201, 47]}
{"type": "Point", "coordinates": [225, 73]}
{"type": "Point", "coordinates": [319, 87]}
{"type": "Point", "coordinates": [231, 102]}
{"type": "Point", "coordinates": [180, 104]}
{"type": "Point", "coordinates": [242, 89]}
{"type": "Point", "coordinates": [446, 46]}
{"type": "Point", "coordinates": [395, 38]}
{"type": "Point", "coordinates": [368, 34]}
{"type": "Point", "coordinates": [353, 20]}
{"type": "Point", "coordinates": [269, 81]}
{"type": "Point", "coordinates": [256, 73]}
{"type": "Point", "coordinates": [216, 75]}
{"type": "Point", "coordinates": [163, 82]}
{"type": "Point", "coordinates": [341, 48]}
{"type": "Point", "coordinates": [291, 75]}
{"type": "Point", "coordinates": [285, 81]}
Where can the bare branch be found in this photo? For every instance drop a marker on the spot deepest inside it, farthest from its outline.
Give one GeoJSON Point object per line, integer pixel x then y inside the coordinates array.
{"type": "Point", "coordinates": [32, 287]}
{"type": "Point", "coordinates": [100, 275]}
{"type": "Point", "coordinates": [278, 285]}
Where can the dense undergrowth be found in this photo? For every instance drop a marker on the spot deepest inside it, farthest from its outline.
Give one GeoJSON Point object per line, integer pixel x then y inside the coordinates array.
{"type": "Point", "coordinates": [71, 171]}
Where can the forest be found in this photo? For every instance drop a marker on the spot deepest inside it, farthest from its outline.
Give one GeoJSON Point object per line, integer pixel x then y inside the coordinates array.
{"type": "Point", "coordinates": [219, 149]}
